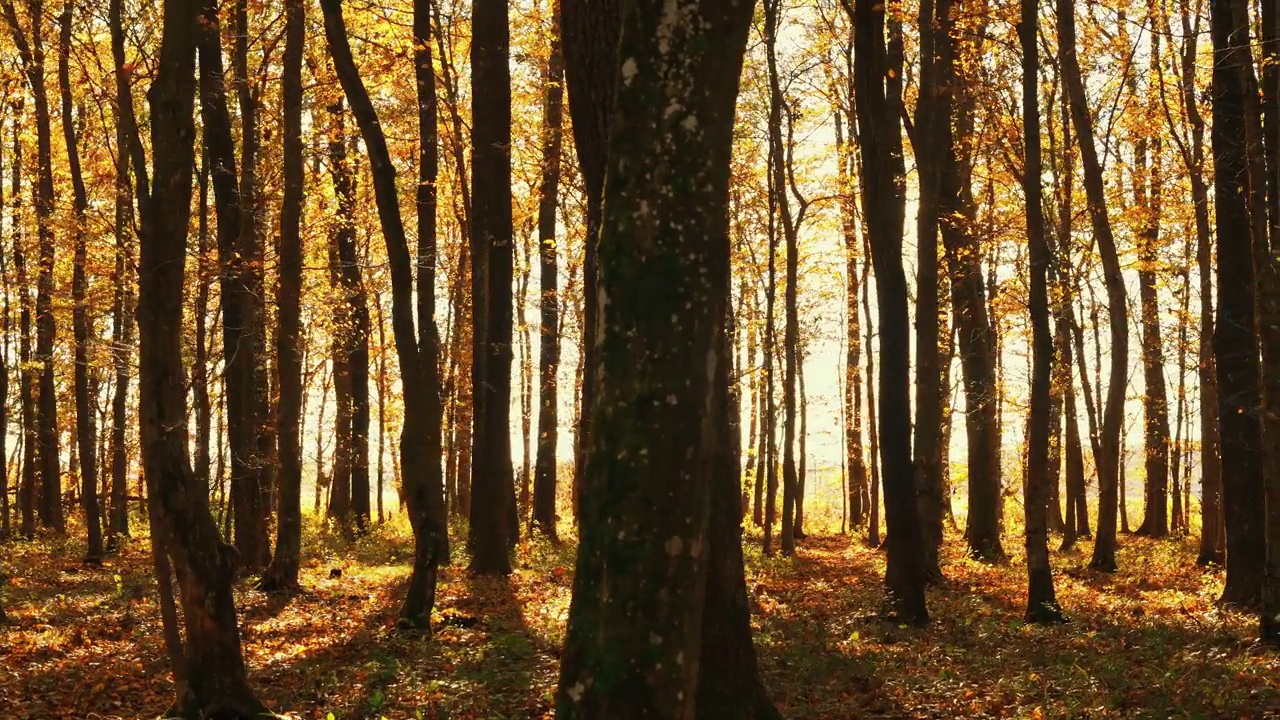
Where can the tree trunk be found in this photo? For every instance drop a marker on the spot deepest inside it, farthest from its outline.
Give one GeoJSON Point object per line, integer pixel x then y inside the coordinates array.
{"type": "Point", "coordinates": [241, 284]}
{"type": "Point", "coordinates": [932, 150]}
{"type": "Point", "coordinates": [420, 444]}
{"type": "Point", "coordinates": [282, 574]}
{"type": "Point", "coordinates": [30, 47]}
{"type": "Point", "coordinates": [878, 85]}
{"type": "Point", "coordinates": [591, 58]}
{"type": "Point", "coordinates": [666, 206]}
{"type": "Point", "coordinates": [1155, 402]}
{"type": "Point", "coordinates": [491, 266]}
{"type": "Point", "coordinates": [858, 495]}
{"type": "Point", "coordinates": [210, 671]}
{"type": "Point", "coordinates": [1108, 460]}
{"type": "Point", "coordinates": [1042, 603]}
{"type": "Point", "coordinates": [86, 428]}
{"type": "Point", "coordinates": [1235, 340]}
{"type": "Point", "coordinates": [873, 428]}
{"type": "Point", "coordinates": [544, 482]}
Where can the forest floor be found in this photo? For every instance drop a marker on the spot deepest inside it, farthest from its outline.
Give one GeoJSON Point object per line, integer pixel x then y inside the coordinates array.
{"type": "Point", "coordinates": [1146, 641]}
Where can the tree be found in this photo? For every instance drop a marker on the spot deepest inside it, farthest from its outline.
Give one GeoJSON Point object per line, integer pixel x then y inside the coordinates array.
{"type": "Point", "coordinates": [86, 430]}
{"type": "Point", "coordinates": [1108, 459]}
{"type": "Point", "coordinates": [1042, 604]}
{"type": "Point", "coordinates": [420, 444]}
{"type": "Point", "coordinates": [544, 481]}
{"type": "Point", "coordinates": [492, 257]}
{"type": "Point", "coordinates": [209, 666]}
{"type": "Point", "coordinates": [240, 259]}
{"type": "Point", "coordinates": [665, 206]}
{"type": "Point", "coordinates": [30, 45]}
{"type": "Point", "coordinates": [282, 574]}
{"type": "Point", "coordinates": [878, 97]}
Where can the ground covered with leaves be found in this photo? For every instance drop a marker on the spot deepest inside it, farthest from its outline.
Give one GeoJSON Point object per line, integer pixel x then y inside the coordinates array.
{"type": "Point", "coordinates": [1147, 641]}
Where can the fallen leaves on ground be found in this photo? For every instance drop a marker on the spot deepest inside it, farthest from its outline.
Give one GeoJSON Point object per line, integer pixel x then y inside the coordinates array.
{"type": "Point", "coordinates": [1147, 641]}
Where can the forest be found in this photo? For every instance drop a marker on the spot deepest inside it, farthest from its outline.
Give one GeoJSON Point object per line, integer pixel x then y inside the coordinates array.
{"type": "Point", "coordinates": [639, 359]}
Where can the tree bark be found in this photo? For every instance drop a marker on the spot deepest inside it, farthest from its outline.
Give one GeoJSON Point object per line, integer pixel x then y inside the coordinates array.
{"type": "Point", "coordinates": [210, 669]}
{"type": "Point", "coordinates": [666, 204]}
{"type": "Point", "coordinates": [933, 151]}
{"type": "Point", "coordinates": [26, 375]}
{"type": "Point", "coordinates": [30, 45]}
{"type": "Point", "coordinates": [1108, 459]}
{"type": "Point", "coordinates": [492, 259]}
{"type": "Point", "coordinates": [241, 296]}
{"type": "Point", "coordinates": [1235, 340]}
{"type": "Point", "coordinates": [1042, 603]}
{"type": "Point", "coordinates": [544, 481]}
{"type": "Point", "coordinates": [878, 87]}
{"type": "Point", "coordinates": [82, 325]}
{"type": "Point", "coordinates": [282, 574]}
{"type": "Point", "coordinates": [420, 447]}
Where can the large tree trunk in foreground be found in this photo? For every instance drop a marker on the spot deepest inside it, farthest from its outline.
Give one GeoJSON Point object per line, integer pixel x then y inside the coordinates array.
{"type": "Point", "coordinates": [878, 85]}
{"type": "Point", "coordinates": [420, 444]}
{"type": "Point", "coordinates": [210, 668]}
{"type": "Point", "coordinates": [1108, 460]}
{"type": "Point", "coordinates": [643, 571]}
{"type": "Point", "coordinates": [282, 574]}
{"type": "Point", "coordinates": [1042, 604]}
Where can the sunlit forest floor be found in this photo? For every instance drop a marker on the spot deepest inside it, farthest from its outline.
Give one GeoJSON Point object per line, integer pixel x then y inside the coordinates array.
{"type": "Point", "coordinates": [1147, 641]}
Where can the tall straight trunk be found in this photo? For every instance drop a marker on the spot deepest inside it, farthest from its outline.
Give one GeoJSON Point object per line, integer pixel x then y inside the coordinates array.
{"type": "Point", "coordinates": [240, 299]}
{"type": "Point", "coordinates": [770, 410]}
{"type": "Point", "coordinates": [1235, 341]}
{"type": "Point", "coordinates": [976, 334]}
{"type": "Point", "coordinates": [200, 366]}
{"type": "Point", "coordinates": [26, 375]}
{"type": "Point", "coordinates": [30, 45]}
{"type": "Point", "coordinates": [873, 428]}
{"type": "Point", "coordinates": [1155, 401]}
{"type": "Point", "coordinates": [801, 447]}
{"type": "Point", "coordinates": [382, 408]}
{"type": "Point", "coordinates": [932, 151]}
{"type": "Point", "coordinates": [857, 466]}
{"type": "Point", "coordinates": [878, 87]}
{"type": "Point", "coordinates": [1178, 519]}
{"type": "Point", "coordinates": [781, 204]}
{"type": "Point", "coordinates": [356, 352]}
{"type": "Point", "coordinates": [492, 248]}
{"type": "Point", "coordinates": [1077, 519]}
{"type": "Point", "coordinates": [420, 444]}
{"type": "Point", "coordinates": [82, 326]}
{"type": "Point", "coordinates": [1269, 326]}
{"type": "Point", "coordinates": [1042, 603]}
{"type": "Point", "coordinates": [657, 610]}
{"type": "Point", "coordinates": [544, 482]}
{"type": "Point", "coordinates": [428, 512]}
{"type": "Point", "coordinates": [210, 668]}
{"type": "Point", "coordinates": [591, 31]}
{"type": "Point", "coordinates": [342, 241]}
{"type": "Point", "coordinates": [752, 490]}
{"type": "Point", "coordinates": [282, 574]}
{"type": "Point", "coordinates": [1108, 461]}
{"type": "Point", "coordinates": [5, 522]}
{"type": "Point", "coordinates": [123, 306]}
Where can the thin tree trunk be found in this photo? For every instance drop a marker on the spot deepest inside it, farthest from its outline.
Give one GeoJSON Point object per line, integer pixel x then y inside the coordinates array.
{"type": "Point", "coordinates": [873, 428]}
{"type": "Point", "coordinates": [420, 442]}
{"type": "Point", "coordinates": [1042, 603]}
{"type": "Point", "coordinates": [1109, 459]}
{"type": "Point", "coordinates": [282, 574]}
{"type": "Point", "coordinates": [544, 482]}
